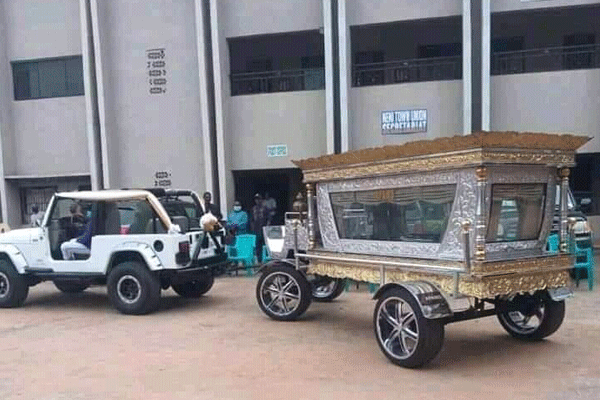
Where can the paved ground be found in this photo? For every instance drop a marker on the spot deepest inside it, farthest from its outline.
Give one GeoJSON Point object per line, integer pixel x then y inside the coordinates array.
{"type": "Point", "coordinates": [223, 347]}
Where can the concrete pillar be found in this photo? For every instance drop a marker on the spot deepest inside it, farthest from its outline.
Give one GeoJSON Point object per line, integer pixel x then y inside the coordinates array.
{"type": "Point", "coordinates": [218, 74]}
{"type": "Point", "coordinates": [329, 75]}
{"type": "Point", "coordinates": [466, 66]}
{"type": "Point", "coordinates": [476, 65]}
{"type": "Point", "coordinates": [476, 77]}
{"type": "Point", "coordinates": [206, 96]}
{"type": "Point", "coordinates": [4, 115]}
{"type": "Point", "coordinates": [91, 99]}
{"type": "Point", "coordinates": [99, 71]}
{"type": "Point", "coordinates": [345, 71]}
{"type": "Point", "coordinates": [486, 42]}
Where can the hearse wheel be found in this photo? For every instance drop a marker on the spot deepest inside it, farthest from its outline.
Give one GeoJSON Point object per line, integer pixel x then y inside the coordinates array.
{"type": "Point", "coordinates": [133, 289]}
{"type": "Point", "coordinates": [283, 293]}
{"type": "Point", "coordinates": [531, 317]}
{"type": "Point", "coordinates": [13, 287]}
{"type": "Point", "coordinates": [326, 289]}
{"type": "Point", "coordinates": [404, 335]}
{"type": "Point", "coordinates": [71, 287]}
{"type": "Point", "coordinates": [194, 289]}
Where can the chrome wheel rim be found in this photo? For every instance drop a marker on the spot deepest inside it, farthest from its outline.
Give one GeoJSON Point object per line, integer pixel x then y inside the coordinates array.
{"type": "Point", "coordinates": [129, 289]}
{"type": "Point", "coordinates": [4, 285]}
{"type": "Point", "coordinates": [397, 328]}
{"type": "Point", "coordinates": [280, 294]}
{"type": "Point", "coordinates": [524, 323]}
{"type": "Point", "coordinates": [326, 290]}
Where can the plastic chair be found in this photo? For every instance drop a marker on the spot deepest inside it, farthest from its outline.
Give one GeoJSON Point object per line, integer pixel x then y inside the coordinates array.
{"type": "Point", "coordinates": [552, 244]}
{"type": "Point", "coordinates": [584, 260]}
{"type": "Point", "coordinates": [266, 256]}
{"type": "Point", "coordinates": [243, 251]}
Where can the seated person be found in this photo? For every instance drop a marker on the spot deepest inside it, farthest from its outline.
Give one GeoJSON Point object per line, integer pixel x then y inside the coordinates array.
{"type": "Point", "coordinates": [80, 245]}
{"type": "Point", "coordinates": [76, 222]}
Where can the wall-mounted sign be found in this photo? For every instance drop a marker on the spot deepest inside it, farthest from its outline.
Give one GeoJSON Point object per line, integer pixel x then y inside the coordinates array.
{"type": "Point", "coordinates": [277, 150]}
{"type": "Point", "coordinates": [157, 70]}
{"type": "Point", "coordinates": [406, 121]}
{"type": "Point", "coordinates": [162, 178]}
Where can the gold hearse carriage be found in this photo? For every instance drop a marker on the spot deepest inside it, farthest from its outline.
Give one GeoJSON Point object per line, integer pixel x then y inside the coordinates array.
{"type": "Point", "coordinates": [451, 229]}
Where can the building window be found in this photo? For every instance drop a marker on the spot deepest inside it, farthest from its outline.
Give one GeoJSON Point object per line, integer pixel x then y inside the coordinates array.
{"type": "Point", "coordinates": [52, 77]}
{"type": "Point", "coordinates": [35, 196]}
{"type": "Point", "coordinates": [407, 51]}
{"type": "Point", "coordinates": [277, 63]}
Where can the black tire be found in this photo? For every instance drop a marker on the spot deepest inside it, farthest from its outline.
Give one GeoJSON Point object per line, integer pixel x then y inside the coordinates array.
{"type": "Point", "coordinates": [70, 286]}
{"type": "Point", "coordinates": [531, 317]}
{"type": "Point", "coordinates": [13, 286]}
{"type": "Point", "coordinates": [326, 289]}
{"type": "Point", "coordinates": [194, 289]}
{"type": "Point", "coordinates": [418, 339]}
{"type": "Point", "coordinates": [133, 289]}
{"type": "Point", "coordinates": [283, 293]}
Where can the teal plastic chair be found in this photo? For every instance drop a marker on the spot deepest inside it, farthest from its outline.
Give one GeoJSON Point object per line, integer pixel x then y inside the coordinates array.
{"type": "Point", "coordinates": [266, 256]}
{"type": "Point", "coordinates": [243, 251]}
{"type": "Point", "coordinates": [584, 260]}
{"type": "Point", "coordinates": [552, 245]}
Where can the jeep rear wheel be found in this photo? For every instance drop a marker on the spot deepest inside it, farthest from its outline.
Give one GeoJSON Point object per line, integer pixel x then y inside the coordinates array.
{"type": "Point", "coordinates": [194, 289]}
{"type": "Point", "coordinates": [13, 287]}
{"type": "Point", "coordinates": [133, 289]}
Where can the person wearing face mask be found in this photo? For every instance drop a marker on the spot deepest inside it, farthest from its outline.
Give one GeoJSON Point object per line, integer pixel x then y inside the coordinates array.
{"type": "Point", "coordinates": [237, 220]}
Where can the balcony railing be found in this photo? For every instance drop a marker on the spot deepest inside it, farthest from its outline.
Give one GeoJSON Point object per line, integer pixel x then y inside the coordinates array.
{"type": "Point", "coordinates": [546, 59]}
{"type": "Point", "coordinates": [413, 70]}
{"type": "Point", "coordinates": [277, 81]}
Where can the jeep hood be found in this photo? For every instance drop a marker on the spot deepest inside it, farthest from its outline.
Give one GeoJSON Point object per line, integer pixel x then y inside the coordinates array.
{"type": "Point", "coordinates": [19, 236]}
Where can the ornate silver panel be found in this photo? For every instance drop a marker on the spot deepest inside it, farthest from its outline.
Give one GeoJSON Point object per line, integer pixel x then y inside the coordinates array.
{"type": "Point", "coordinates": [450, 248]}
{"type": "Point", "coordinates": [524, 174]}
{"type": "Point", "coordinates": [288, 241]}
{"type": "Point", "coordinates": [329, 234]}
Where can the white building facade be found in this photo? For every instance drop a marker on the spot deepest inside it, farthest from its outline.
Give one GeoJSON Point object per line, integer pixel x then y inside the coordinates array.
{"type": "Point", "coordinates": [221, 95]}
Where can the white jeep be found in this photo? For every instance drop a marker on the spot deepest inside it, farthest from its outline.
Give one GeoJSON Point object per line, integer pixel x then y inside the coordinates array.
{"type": "Point", "coordinates": [136, 250]}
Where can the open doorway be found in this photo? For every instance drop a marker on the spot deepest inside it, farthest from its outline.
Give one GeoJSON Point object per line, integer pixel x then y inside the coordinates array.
{"type": "Point", "coordinates": [282, 184]}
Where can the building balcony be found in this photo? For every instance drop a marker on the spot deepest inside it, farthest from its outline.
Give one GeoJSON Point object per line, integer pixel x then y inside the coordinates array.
{"type": "Point", "coordinates": [407, 71]}
{"type": "Point", "coordinates": [546, 59]}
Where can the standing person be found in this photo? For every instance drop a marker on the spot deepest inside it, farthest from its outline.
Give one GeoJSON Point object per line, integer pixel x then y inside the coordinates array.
{"type": "Point", "coordinates": [237, 220]}
{"type": "Point", "coordinates": [208, 207]}
{"type": "Point", "coordinates": [258, 219]}
{"type": "Point", "coordinates": [271, 205]}
{"type": "Point", "coordinates": [36, 216]}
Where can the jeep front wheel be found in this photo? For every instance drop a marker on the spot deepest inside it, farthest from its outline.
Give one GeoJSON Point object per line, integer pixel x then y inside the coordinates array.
{"type": "Point", "coordinates": [13, 287]}
{"type": "Point", "coordinates": [133, 289]}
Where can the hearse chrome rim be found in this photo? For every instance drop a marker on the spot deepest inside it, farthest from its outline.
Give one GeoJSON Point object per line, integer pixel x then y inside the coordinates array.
{"type": "Point", "coordinates": [323, 291]}
{"type": "Point", "coordinates": [4, 285]}
{"type": "Point", "coordinates": [397, 328]}
{"type": "Point", "coordinates": [280, 293]}
{"type": "Point", "coordinates": [129, 289]}
{"type": "Point", "coordinates": [524, 323]}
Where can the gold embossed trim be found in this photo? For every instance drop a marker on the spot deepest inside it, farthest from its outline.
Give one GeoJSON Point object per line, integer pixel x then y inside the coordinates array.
{"type": "Point", "coordinates": [478, 140]}
{"type": "Point", "coordinates": [487, 287]}
{"type": "Point", "coordinates": [521, 265]}
{"type": "Point", "coordinates": [431, 163]}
